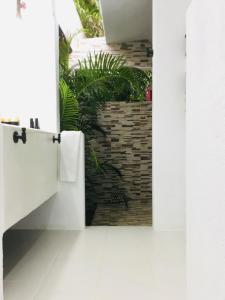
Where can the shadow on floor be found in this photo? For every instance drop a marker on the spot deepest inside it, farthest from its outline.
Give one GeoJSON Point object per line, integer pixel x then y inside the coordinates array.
{"type": "Point", "coordinates": [22, 242]}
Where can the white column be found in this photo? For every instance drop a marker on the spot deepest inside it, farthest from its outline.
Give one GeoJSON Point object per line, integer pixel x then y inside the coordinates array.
{"type": "Point", "coordinates": [169, 114]}
{"type": "Point", "coordinates": [206, 150]}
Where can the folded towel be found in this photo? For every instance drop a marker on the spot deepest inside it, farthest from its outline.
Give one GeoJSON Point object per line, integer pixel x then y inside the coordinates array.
{"type": "Point", "coordinates": [69, 155]}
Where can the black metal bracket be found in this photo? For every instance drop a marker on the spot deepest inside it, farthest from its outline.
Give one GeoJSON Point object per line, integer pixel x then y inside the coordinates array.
{"type": "Point", "coordinates": [22, 137]}
{"type": "Point", "coordinates": [58, 139]}
{"type": "Point", "coordinates": [149, 52]}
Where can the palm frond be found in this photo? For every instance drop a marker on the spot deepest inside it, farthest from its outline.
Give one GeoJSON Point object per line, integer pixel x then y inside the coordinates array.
{"type": "Point", "coordinates": [100, 78]}
{"type": "Point", "coordinates": [69, 107]}
{"type": "Point", "coordinates": [102, 167]}
{"type": "Point", "coordinates": [91, 19]}
{"type": "Point", "coordinates": [107, 167]}
{"type": "Point", "coordinates": [138, 79]}
{"type": "Point", "coordinates": [105, 77]}
{"type": "Point", "coordinates": [101, 64]}
{"type": "Point", "coordinates": [65, 51]}
{"type": "Point", "coordinates": [93, 79]}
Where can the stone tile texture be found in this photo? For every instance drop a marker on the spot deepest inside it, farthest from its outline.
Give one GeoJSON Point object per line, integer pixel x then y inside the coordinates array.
{"type": "Point", "coordinates": [128, 146]}
{"type": "Point", "coordinates": [137, 53]}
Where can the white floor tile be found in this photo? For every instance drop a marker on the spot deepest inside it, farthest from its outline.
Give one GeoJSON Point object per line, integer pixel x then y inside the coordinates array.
{"type": "Point", "coordinates": [101, 263]}
{"type": "Point", "coordinates": [24, 290]}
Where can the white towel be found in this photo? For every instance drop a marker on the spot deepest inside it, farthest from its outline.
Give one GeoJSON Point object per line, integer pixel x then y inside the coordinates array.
{"type": "Point", "coordinates": [69, 155]}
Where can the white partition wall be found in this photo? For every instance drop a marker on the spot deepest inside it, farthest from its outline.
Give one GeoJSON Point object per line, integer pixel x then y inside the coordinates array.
{"type": "Point", "coordinates": [127, 20]}
{"type": "Point", "coordinates": [206, 150]}
{"type": "Point", "coordinates": [28, 63]}
{"type": "Point", "coordinates": [68, 18]}
{"type": "Point", "coordinates": [65, 210]}
{"type": "Point", "coordinates": [169, 114]}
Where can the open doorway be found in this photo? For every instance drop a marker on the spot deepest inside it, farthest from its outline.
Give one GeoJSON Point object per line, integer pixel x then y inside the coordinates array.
{"type": "Point", "coordinates": [112, 55]}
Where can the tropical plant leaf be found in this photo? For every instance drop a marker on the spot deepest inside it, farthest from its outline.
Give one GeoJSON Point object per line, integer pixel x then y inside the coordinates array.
{"type": "Point", "coordinates": [83, 93]}
{"type": "Point", "coordinates": [104, 77]}
{"type": "Point", "coordinates": [138, 79]}
{"type": "Point", "coordinates": [69, 108]}
{"type": "Point", "coordinates": [91, 19]}
{"type": "Point", "coordinates": [65, 51]}
{"type": "Point", "coordinates": [101, 64]}
{"type": "Point", "coordinates": [108, 167]}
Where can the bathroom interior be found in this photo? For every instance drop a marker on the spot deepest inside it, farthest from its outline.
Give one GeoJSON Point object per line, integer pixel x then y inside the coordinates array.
{"type": "Point", "coordinates": [79, 164]}
{"type": "Point", "coordinates": [83, 215]}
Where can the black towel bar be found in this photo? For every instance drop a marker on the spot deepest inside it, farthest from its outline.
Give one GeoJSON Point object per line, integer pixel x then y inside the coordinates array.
{"type": "Point", "coordinates": [58, 139]}
{"type": "Point", "coordinates": [22, 137]}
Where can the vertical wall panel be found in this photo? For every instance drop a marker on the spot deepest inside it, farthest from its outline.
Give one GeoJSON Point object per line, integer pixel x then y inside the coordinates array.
{"type": "Point", "coordinates": [205, 167]}
{"type": "Point", "coordinates": [169, 114]}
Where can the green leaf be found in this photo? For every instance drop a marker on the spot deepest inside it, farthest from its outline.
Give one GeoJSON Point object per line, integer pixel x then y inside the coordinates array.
{"type": "Point", "coordinates": [69, 108]}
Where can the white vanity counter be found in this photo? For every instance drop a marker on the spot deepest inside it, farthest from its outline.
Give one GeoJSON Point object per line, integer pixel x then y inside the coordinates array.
{"type": "Point", "coordinates": [28, 172]}
{"type": "Point", "coordinates": [29, 179]}
{"type": "Point", "coordinates": [28, 176]}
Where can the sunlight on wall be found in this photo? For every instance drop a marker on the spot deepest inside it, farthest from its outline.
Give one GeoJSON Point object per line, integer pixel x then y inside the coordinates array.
{"type": "Point", "coordinates": [28, 63]}
{"type": "Point", "coordinates": [68, 17]}
{"type": "Point", "coordinates": [205, 150]}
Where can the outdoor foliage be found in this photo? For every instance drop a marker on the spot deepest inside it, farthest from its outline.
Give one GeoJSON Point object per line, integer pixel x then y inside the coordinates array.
{"type": "Point", "coordinates": [89, 12]}
{"type": "Point", "coordinates": [111, 78]}
{"type": "Point", "coordinates": [83, 93]}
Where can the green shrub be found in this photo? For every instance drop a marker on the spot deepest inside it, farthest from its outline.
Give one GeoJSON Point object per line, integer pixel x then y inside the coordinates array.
{"type": "Point", "coordinates": [83, 93]}
{"type": "Point", "coordinates": [89, 12]}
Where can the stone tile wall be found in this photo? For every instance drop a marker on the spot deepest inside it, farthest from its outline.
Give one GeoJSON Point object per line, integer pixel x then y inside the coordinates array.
{"type": "Point", "coordinates": [137, 53]}
{"type": "Point", "coordinates": [128, 146]}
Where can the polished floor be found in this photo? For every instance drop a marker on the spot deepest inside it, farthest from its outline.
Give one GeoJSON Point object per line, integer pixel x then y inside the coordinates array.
{"type": "Point", "coordinates": [101, 263]}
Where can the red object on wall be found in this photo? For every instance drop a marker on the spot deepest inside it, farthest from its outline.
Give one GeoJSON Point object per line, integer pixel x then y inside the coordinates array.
{"type": "Point", "coordinates": [148, 95]}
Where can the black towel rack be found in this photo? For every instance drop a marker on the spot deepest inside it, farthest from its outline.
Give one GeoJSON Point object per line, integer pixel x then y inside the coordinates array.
{"type": "Point", "coordinates": [22, 137]}
{"type": "Point", "coordinates": [57, 139]}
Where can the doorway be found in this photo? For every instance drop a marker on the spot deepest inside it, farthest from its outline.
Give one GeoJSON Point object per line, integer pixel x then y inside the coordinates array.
{"type": "Point", "coordinates": [119, 165]}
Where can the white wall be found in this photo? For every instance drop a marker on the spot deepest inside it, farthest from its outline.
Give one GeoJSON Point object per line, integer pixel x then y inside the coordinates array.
{"type": "Point", "coordinates": [127, 20]}
{"type": "Point", "coordinates": [28, 63]}
{"type": "Point", "coordinates": [28, 83]}
{"type": "Point", "coordinates": [169, 114]}
{"type": "Point", "coordinates": [206, 150]}
{"type": "Point", "coordinates": [65, 210]}
{"type": "Point", "coordinates": [68, 18]}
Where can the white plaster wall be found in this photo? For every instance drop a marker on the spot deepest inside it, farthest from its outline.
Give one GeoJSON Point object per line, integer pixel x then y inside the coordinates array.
{"type": "Point", "coordinates": [68, 18]}
{"type": "Point", "coordinates": [65, 210]}
{"type": "Point", "coordinates": [28, 77]}
{"type": "Point", "coordinates": [28, 63]}
{"type": "Point", "coordinates": [206, 150]}
{"type": "Point", "coordinates": [30, 173]}
{"type": "Point", "coordinates": [27, 71]}
{"type": "Point", "coordinates": [127, 20]}
{"type": "Point", "coordinates": [169, 114]}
